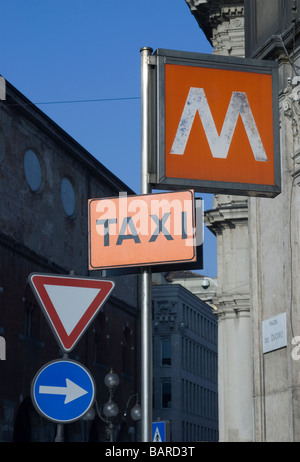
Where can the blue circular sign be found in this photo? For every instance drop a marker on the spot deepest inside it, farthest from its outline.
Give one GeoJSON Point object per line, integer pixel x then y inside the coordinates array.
{"type": "Point", "coordinates": [63, 391]}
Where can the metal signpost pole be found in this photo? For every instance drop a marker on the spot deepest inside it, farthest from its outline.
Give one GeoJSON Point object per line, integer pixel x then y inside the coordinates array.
{"type": "Point", "coordinates": [146, 273]}
{"type": "Point", "coordinates": [59, 437]}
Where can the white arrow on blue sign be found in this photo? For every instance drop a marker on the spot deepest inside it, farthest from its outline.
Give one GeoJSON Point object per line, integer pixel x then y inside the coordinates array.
{"type": "Point", "coordinates": [63, 391]}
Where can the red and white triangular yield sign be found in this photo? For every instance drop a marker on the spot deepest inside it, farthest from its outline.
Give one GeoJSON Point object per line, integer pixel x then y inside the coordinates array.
{"type": "Point", "coordinates": [69, 303]}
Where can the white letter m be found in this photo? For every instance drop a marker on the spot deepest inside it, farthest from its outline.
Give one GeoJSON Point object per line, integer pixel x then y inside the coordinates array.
{"type": "Point", "coordinates": [219, 144]}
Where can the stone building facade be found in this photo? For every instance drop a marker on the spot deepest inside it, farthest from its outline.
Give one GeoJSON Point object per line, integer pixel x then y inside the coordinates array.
{"type": "Point", "coordinates": [46, 179]}
{"type": "Point", "coordinates": [258, 239]}
{"type": "Point", "coordinates": [274, 233]}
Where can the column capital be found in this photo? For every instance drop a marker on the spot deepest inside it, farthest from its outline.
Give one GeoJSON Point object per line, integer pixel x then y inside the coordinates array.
{"type": "Point", "coordinates": [232, 306]}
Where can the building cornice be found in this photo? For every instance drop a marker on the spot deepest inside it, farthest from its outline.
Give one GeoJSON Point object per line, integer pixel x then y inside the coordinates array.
{"type": "Point", "coordinates": [223, 217]}
{"type": "Point", "coordinates": [210, 14]}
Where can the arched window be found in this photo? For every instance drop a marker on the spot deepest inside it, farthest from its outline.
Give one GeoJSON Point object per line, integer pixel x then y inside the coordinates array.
{"type": "Point", "coordinates": [32, 169]}
{"type": "Point", "coordinates": [2, 147]}
{"type": "Point", "coordinates": [68, 199]}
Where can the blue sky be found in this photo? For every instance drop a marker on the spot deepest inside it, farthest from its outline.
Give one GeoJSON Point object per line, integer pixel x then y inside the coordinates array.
{"type": "Point", "coordinates": [61, 52]}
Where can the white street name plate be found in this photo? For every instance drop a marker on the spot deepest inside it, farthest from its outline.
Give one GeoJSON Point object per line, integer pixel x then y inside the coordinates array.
{"type": "Point", "coordinates": [274, 333]}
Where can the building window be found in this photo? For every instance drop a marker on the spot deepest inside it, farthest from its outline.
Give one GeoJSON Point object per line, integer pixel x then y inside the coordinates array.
{"type": "Point", "coordinates": [166, 394]}
{"type": "Point", "coordinates": [67, 196]}
{"type": "Point", "coordinates": [2, 147]}
{"type": "Point", "coordinates": [166, 352]}
{"type": "Point", "coordinates": [32, 169]}
{"type": "Point", "coordinates": [31, 320]}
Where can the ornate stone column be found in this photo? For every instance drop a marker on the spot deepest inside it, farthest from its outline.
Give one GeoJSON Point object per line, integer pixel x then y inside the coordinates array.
{"type": "Point", "coordinates": [291, 109]}
{"type": "Point", "coordinates": [223, 24]}
{"type": "Point", "coordinates": [229, 221]}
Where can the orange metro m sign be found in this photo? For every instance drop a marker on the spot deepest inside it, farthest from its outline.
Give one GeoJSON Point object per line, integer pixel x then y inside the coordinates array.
{"type": "Point", "coordinates": [218, 124]}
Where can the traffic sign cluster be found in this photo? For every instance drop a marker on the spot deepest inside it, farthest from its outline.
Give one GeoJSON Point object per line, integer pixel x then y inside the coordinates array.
{"type": "Point", "coordinates": [63, 390]}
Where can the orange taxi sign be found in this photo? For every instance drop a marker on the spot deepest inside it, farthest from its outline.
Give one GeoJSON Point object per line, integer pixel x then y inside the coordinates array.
{"type": "Point", "coordinates": [143, 230]}
{"type": "Point", "coordinates": [218, 124]}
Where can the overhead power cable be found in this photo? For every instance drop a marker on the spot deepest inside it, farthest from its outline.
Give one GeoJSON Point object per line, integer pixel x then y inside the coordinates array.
{"type": "Point", "coordinates": [88, 100]}
{"type": "Point", "coordinates": [95, 100]}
